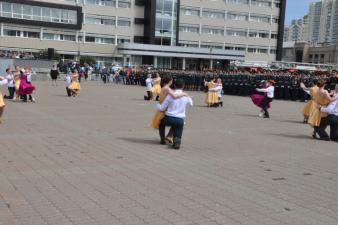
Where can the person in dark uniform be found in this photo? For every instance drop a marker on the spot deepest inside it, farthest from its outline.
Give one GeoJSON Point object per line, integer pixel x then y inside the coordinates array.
{"type": "Point", "coordinates": [54, 74]}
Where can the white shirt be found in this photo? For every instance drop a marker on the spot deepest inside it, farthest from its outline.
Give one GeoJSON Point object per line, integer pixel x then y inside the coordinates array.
{"type": "Point", "coordinates": [270, 91]}
{"type": "Point", "coordinates": [175, 107]}
{"type": "Point", "coordinates": [332, 108]}
{"type": "Point", "coordinates": [149, 84]}
{"type": "Point", "coordinates": [68, 80]}
{"type": "Point", "coordinates": [3, 82]}
{"type": "Point", "coordinates": [218, 89]}
{"type": "Point", "coordinates": [29, 77]}
{"type": "Point", "coordinates": [10, 78]}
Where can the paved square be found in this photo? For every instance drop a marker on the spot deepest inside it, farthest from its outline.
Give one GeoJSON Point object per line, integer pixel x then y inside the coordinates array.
{"type": "Point", "coordinates": [93, 160]}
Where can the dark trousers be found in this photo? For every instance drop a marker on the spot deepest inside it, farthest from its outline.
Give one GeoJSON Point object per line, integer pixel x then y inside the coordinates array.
{"type": "Point", "coordinates": [332, 120]}
{"type": "Point", "coordinates": [69, 92]}
{"type": "Point", "coordinates": [24, 98]}
{"type": "Point", "coordinates": [11, 91]}
{"type": "Point", "coordinates": [176, 124]}
{"type": "Point", "coordinates": [265, 106]}
{"type": "Point", "coordinates": [320, 130]}
{"type": "Point", "coordinates": [149, 97]}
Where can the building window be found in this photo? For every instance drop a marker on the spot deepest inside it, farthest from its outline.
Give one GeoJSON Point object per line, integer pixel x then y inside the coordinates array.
{"type": "Point", "coordinates": [190, 11]}
{"type": "Point", "coordinates": [123, 39]}
{"type": "Point", "coordinates": [100, 20]}
{"type": "Point", "coordinates": [37, 13]}
{"type": "Point", "coordinates": [260, 19]}
{"type": "Point", "coordinates": [124, 4]}
{"type": "Point", "coordinates": [237, 16]}
{"type": "Point", "coordinates": [261, 3]}
{"type": "Point", "coordinates": [213, 31]}
{"type": "Point", "coordinates": [236, 33]}
{"type": "Point", "coordinates": [190, 28]}
{"type": "Point", "coordinates": [246, 2]}
{"type": "Point", "coordinates": [91, 38]}
{"type": "Point", "coordinates": [21, 32]}
{"type": "Point", "coordinates": [123, 22]}
{"type": "Point", "coordinates": [213, 14]}
{"type": "Point", "coordinates": [259, 34]}
{"type": "Point", "coordinates": [111, 3]}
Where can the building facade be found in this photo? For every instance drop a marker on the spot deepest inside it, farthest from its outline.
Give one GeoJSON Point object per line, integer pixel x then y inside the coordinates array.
{"type": "Point", "coordinates": [297, 31]}
{"type": "Point", "coordinates": [188, 34]}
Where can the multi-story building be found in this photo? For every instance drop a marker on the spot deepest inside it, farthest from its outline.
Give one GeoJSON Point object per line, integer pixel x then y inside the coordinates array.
{"type": "Point", "coordinates": [297, 31]}
{"type": "Point", "coordinates": [166, 33]}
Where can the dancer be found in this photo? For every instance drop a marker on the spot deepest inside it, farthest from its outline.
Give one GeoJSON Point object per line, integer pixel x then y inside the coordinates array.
{"type": "Point", "coordinates": [10, 85]}
{"type": "Point", "coordinates": [149, 87]}
{"type": "Point", "coordinates": [75, 85]}
{"type": "Point", "coordinates": [17, 81]}
{"type": "Point", "coordinates": [332, 119]}
{"type": "Point", "coordinates": [270, 93]}
{"type": "Point", "coordinates": [25, 88]}
{"type": "Point", "coordinates": [3, 81]}
{"type": "Point", "coordinates": [156, 90]}
{"type": "Point", "coordinates": [318, 119]}
{"type": "Point", "coordinates": [311, 103]}
{"type": "Point", "coordinates": [68, 80]}
{"type": "Point", "coordinates": [174, 115]}
{"type": "Point", "coordinates": [212, 96]}
{"type": "Point", "coordinates": [29, 74]}
{"type": "Point", "coordinates": [159, 115]}
{"type": "Point", "coordinates": [219, 90]}
{"type": "Point", "coordinates": [54, 74]}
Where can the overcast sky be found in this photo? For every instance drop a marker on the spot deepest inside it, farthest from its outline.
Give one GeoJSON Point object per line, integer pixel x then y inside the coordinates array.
{"type": "Point", "coordinates": [296, 9]}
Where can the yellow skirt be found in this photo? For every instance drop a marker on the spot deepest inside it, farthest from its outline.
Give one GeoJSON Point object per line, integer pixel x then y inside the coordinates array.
{"type": "Point", "coordinates": [74, 86]}
{"type": "Point", "coordinates": [212, 98]}
{"type": "Point", "coordinates": [156, 89]}
{"type": "Point", "coordinates": [17, 85]}
{"type": "Point", "coordinates": [155, 122]}
{"type": "Point", "coordinates": [316, 116]}
{"type": "Point", "coordinates": [308, 108]}
{"type": "Point", "coordinates": [2, 103]}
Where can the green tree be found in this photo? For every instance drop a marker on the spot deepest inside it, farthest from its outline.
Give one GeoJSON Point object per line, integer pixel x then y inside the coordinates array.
{"type": "Point", "coordinates": [86, 59]}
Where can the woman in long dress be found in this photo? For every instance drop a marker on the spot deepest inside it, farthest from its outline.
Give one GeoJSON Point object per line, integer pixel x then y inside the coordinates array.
{"type": "Point", "coordinates": [159, 115]}
{"type": "Point", "coordinates": [212, 96]}
{"type": "Point", "coordinates": [312, 91]}
{"type": "Point", "coordinates": [316, 117]}
{"type": "Point", "coordinates": [156, 90]}
{"type": "Point", "coordinates": [75, 87]}
{"type": "Point", "coordinates": [26, 88]}
{"type": "Point", "coordinates": [3, 81]}
{"type": "Point", "coordinates": [17, 74]}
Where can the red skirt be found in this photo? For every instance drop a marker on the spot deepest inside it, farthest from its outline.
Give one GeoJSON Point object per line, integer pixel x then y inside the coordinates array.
{"type": "Point", "coordinates": [258, 100]}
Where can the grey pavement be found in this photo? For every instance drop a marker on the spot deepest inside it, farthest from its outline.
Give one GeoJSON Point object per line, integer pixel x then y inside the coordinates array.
{"type": "Point", "coordinates": [93, 160]}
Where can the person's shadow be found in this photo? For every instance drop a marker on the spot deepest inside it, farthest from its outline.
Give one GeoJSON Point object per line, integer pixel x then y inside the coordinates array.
{"type": "Point", "coordinates": [139, 140]}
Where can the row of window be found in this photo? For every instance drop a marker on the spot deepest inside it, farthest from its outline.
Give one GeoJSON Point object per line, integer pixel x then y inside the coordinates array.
{"type": "Point", "coordinates": [260, 3]}
{"type": "Point", "coordinates": [111, 3]}
{"type": "Point", "coordinates": [37, 13]}
{"type": "Point", "coordinates": [227, 32]}
{"type": "Point", "coordinates": [215, 14]}
{"type": "Point", "coordinates": [107, 20]}
{"type": "Point", "coordinates": [57, 36]}
{"type": "Point", "coordinates": [249, 49]}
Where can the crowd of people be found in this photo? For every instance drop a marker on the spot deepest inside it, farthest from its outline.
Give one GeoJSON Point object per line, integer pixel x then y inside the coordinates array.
{"type": "Point", "coordinates": [320, 111]}
{"type": "Point", "coordinates": [16, 55]}
{"type": "Point", "coordinates": [319, 90]}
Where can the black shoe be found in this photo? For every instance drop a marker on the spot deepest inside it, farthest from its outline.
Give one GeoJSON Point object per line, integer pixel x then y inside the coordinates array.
{"type": "Point", "coordinates": [266, 117]}
{"type": "Point", "coordinates": [324, 139]}
{"type": "Point", "coordinates": [145, 98]}
{"type": "Point", "coordinates": [314, 135]}
{"type": "Point", "coordinates": [221, 104]}
{"type": "Point", "coordinates": [176, 146]}
{"type": "Point", "coordinates": [162, 142]}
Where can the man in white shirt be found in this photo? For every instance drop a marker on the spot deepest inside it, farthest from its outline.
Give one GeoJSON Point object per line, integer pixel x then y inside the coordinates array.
{"type": "Point", "coordinates": [269, 91]}
{"type": "Point", "coordinates": [11, 89]}
{"type": "Point", "coordinates": [149, 86]}
{"type": "Point", "coordinates": [68, 80]}
{"type": "Point", "coordinates": [332, 119]}
{"type": "Point", "coordinates": [174, 115]}
{"type": "Point", "coordinates": [3, 81]}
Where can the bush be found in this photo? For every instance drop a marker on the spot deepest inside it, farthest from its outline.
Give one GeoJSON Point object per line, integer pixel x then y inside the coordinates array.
{"type": "Point", "coordinates": [86, 59]}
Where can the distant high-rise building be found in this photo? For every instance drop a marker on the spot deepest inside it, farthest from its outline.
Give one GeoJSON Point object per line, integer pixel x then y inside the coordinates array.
{"type": "Point", "coordinates": [297, 31]}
